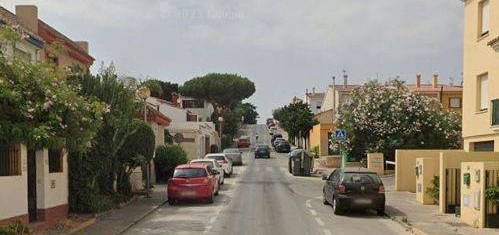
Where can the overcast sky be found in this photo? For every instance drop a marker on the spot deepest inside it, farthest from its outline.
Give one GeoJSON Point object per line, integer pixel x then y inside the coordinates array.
{"type": "Point", "coordinates": [284, 46]}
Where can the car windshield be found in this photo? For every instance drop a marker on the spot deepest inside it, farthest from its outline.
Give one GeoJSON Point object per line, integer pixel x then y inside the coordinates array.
{"type": "Point", "coordinates": [189, 173]}
{"type": "Point", "coordinates": [216, 157]}
{"type": "Point", "coordinates": [361, 178]}
{"type": "Point", "coordinates": [261, 149]}
{"type": "Point", "coordinates": [231, 151]}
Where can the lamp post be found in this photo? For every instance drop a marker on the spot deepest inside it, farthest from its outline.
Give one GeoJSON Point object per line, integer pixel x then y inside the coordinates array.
{"type": "Point", "coordinates": [220, 121]}
{"type": "Point", "coordinates": [145, 93]}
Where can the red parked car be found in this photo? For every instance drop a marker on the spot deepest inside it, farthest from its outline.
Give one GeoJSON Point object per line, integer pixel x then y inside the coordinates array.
{"type": "Point", "coordinates": [243, 142]}
{"type": "Point", "coordinates": [193, 181]}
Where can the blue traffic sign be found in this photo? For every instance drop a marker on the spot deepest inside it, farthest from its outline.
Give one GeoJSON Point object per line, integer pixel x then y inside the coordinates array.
{"type": "Point", "coordinates": [340, 134]}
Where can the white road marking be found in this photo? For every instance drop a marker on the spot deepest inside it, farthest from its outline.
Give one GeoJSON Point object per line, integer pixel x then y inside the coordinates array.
{"type": "Point", "coordinates": [319, 221]}
{"type": "Point", "coordinates": [307, 203]}
{"type": "Point", "coordinates": [327, 232]}
{"type": "Point", "coordinates": [313, 212]}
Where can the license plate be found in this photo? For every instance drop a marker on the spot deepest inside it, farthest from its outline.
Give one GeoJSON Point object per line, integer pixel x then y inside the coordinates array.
{"type": "Point", "coordinates": [188, 193]}
{"type": "Point", "coordinates": [363, 201]}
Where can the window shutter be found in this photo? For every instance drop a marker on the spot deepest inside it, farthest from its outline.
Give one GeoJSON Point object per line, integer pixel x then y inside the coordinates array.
{"type": "Point", "coordinates": [485, 16]}
{"type": "Point", "coordinates": [495, 112]}
{"type": "Point", "coordinates": [484, 92]}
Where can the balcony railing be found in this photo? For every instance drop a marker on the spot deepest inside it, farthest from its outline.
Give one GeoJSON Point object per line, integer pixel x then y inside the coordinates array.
{"type": "Point", "coordinates": [495, 113]}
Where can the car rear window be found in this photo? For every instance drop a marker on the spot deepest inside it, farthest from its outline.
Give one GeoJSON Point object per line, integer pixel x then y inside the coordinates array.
{"type": "Point", "coordinates": [209, 163]}
{"type": "Point", "coordinates": [362, 178]}
{"type": "Point", "coordinates": [231, 151]}
{"type": "Point", "coordinates": [189, 173]}
{"type": "Point", "coordinates": [261, 149]}
{"type": "Point", "coordinates": [217, 157]}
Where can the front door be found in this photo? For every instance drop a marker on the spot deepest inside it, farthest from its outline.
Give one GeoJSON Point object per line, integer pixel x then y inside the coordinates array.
{"type": "Point", "coordinates": [32, 185]}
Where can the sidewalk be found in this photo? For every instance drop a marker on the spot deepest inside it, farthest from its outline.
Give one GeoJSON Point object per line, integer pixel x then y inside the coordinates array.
{"type": "Point", "coordinates": [119, 220]}
{"type": "Point", "coordinates": [424, 219]}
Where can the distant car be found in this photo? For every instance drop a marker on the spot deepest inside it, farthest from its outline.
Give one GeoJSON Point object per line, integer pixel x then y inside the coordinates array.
{"type": "Point", "coordinates": [269, 120]}
{"type": "Point", "coordinates": [261, 151]}
{"type": "Point", "coordinates": [277, 141]}
{"type": "Point", "coordinates": [235, 155]}
{"type": "Point", "coordinates": [263, 146]}
{"type": "Point", "coordinates": [223, 160]}
{"type": "Point", "coordinates": [214, 164]}
{"type": "Point", "coordinates": [193, 181]}
{"type": "Point", "coordinates": [243, 142]}
{"type": "Point", "coordinates": [275, 136]}
{"type": "Point", "coordinates": [354, 188]}
{"type": "Point", "coordinates": [283, 147]}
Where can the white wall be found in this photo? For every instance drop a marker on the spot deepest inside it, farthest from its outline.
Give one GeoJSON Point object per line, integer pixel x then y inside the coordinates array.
{"type": "Point", "coordinates": [52, 188]}
{"type": "Point", "coordinates": [14, 191]}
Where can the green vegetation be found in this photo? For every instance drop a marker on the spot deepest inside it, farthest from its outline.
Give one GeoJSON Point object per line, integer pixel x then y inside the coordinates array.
{"type": "Point", "coordinates": [434, 191]}
{"type": "Point", "coordinates": [161, 89]}
{"type": "Point", "coordinates": [295, 119]}
{"type": "Point", "coordinates": [167, 158]}
{"type": "Point", "coordinates": [492, 194]}
{"type": "Point", "coordinates": [16, 228]}
{"type": "Point", "coordinates": [385, 117]}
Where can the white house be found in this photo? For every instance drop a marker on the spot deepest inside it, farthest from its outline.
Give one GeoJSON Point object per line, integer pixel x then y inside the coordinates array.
{"type": "Point", "coordinates": [201, 109]}
{"type": "Point", "coordinates": [194, 136]}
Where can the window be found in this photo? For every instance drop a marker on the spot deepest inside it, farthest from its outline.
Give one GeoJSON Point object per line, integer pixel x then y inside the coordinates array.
{"type": "Point", "coordinates": [484, 18]}
{"type": "Point", "coordinates": [483, 92]}
{"type": "Point", "coordinates": [485, 146]}
{"type": "Point", "coordinates": [192, 118]}
{"type": "Point", "coordinates": [495, 112]}
{"type": "Point", "coordinates": [25, 56]}
{"type": "Point", "coordinates": [193, 104]}
{"type": "Point", "coordinates": [455, 102]}
{"type": "Point", "coordinates": [55, 160]}
{"type": "Point", "coordinates": [10, 160]}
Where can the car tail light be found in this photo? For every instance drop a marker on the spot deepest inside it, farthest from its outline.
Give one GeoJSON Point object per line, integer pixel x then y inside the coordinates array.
{"type": "Point", "coordinates": [381, 189]}
{"type": "Point", "coordinates": [342, 188]}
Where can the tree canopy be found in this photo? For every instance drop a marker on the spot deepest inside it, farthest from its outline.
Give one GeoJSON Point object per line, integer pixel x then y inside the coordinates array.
{"type": "Point", "coordinates": [161, 89]}
{"type": "Point", "coordinates": [223, 90]}
{"type": "Point", "coordinates": [248, 111]}
{"type": "Point", "coordinates": [385, 117]}
{"type": "Point", "coordinates": [295, 118]}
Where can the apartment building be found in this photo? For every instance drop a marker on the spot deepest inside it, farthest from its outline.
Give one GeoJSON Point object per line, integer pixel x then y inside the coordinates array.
{"type": "Point", "coordinates": [481, 75]}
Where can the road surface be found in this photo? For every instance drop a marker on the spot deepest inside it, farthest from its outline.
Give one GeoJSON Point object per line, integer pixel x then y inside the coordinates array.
{"type": "Point", "coordinates": [262, 198]}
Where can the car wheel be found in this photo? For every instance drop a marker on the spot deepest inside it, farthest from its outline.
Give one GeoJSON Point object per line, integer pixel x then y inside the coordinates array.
{"type": "Point", "coordinates": [381, 211]}
{"type": "Point", "coordinates": [211, 199]}
{"type": "Point", "coordinates": [324, 200]}
{"type": "Point", "coordinates": [336, 207]}
{"type": "Point", "coordinates": [171, 201]}
{"type": "Point", "coordinates": [216, 193]}
{"type": "Point", "coordinates": [223, 181]}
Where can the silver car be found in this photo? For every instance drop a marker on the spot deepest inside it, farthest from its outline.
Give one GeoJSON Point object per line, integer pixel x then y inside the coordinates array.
{"type": "Point", "coordinates": [235, 155]}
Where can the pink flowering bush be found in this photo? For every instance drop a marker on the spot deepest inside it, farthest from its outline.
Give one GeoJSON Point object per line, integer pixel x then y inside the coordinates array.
{"type": "Point", "coordinates": [382, 118]}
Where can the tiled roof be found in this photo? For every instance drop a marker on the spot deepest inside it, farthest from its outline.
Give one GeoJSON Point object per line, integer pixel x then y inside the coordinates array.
{"type": "Point", "coordinates": [315, 95]}
{"type": "Point", "coordinates": [63, 37]}
{"type": "Point", "coordinates": [430, 88]}
{"type": "Point", "coordinates": [345, 87]}
{"type": "Point", "coordinates": [11, 19]}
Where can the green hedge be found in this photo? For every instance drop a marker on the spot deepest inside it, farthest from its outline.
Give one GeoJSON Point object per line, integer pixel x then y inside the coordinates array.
{"type": "Point", "coordinates": [167, 158]}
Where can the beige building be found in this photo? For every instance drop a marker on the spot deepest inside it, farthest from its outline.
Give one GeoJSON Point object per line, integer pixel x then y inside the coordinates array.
{"type": "Point", "coordinates": [314, 100]}
{"type": "Point", "coordinates": [481, 76]}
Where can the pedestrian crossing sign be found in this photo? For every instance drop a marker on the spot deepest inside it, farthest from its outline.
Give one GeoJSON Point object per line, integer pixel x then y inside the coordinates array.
{"type": "Point", "coordinates": [340, 134]}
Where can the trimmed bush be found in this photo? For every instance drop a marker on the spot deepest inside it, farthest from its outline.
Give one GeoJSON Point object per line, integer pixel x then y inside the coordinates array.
{"type": "Point", "coordinates": [16, 228]}
{"type": "Point", "coordinates": [167, 158]}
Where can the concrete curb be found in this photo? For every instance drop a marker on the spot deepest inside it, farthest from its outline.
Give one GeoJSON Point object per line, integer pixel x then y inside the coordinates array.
{"type": "Point", "coordinates": [406, 225]}
{"type": "Point", "coordinates": [83, 226]}
{"type": "Point", "coordinates": [142, 217]}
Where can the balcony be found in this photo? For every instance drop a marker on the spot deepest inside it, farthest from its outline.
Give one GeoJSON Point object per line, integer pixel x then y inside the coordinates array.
{"type": "Point", "coordinates": [494, 43]}
{"type": "Point", "coordinates": [495, 115]}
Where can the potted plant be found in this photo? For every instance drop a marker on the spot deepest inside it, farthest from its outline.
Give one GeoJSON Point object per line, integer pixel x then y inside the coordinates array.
{"type": "Point", "coordinates": [492, 195]}
{"type": "Point", "coordinates": [434, 192]}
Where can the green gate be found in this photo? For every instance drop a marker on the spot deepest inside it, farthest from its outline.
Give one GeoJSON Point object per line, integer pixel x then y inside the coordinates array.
{"type": "Point", "coordinates": [452, 189]}
{"type": "Point", "coordinates": [491, 210]}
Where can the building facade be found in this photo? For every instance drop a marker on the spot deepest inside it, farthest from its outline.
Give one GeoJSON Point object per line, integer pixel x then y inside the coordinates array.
{"type": "Point", "coordinates": [314, 100]}
{"type": "Point", "coordinates": [481, 76]}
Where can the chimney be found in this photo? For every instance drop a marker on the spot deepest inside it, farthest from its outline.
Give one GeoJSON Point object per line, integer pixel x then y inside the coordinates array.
{"type": "Point", "coordinates": [313, 90]}
{"type": "Point", "coordinates": [345, 79]}
{"type": "Point", "coordinates": [306, 91]}
{"type": "Point", "coordinates": [418, 80]}
{"type": "Point", "coordinates": [83, 45]}
{"type": "Point", "coordinates": [435, 80]}
{"type": "Point", "coordinates": [28, 16]}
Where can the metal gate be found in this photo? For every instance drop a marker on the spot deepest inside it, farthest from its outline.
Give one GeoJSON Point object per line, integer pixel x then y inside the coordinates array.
{"type": "Point", "coordinates": [452, 189]}
{"type": "Point", "coordinates": [491, 210]}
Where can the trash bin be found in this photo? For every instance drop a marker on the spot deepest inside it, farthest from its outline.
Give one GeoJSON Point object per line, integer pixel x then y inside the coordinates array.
{"type": "Point", "coordinates": [300, 162]}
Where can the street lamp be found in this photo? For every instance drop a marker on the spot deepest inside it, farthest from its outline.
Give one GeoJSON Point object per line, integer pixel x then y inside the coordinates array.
{"type": "Point", "coordinates": [145, 93]}
{"type": "Point", "coordinates": [220, 121]}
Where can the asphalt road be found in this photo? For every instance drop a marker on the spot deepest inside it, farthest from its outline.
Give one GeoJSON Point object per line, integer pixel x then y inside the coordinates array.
{"type": "Point", "coordinates": [264, 199]}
